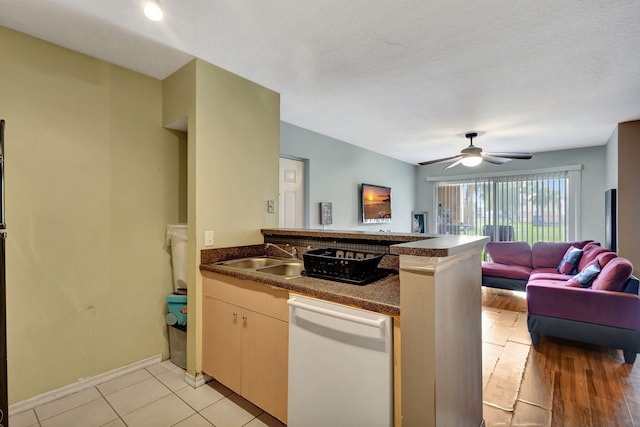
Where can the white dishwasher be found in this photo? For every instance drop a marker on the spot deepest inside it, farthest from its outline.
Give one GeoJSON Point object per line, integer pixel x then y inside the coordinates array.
{"type": "Point", "coordinates": [340, 365]}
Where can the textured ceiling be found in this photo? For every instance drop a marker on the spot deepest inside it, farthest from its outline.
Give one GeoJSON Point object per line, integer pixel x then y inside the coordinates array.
{"type": "Point", "coordinates": [403, 78]}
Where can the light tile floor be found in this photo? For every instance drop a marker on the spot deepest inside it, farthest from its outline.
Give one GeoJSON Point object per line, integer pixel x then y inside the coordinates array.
{"type": "Point", "coordinates": [155, 397]}
{"type": "Point", "coordinates": [158, 396]}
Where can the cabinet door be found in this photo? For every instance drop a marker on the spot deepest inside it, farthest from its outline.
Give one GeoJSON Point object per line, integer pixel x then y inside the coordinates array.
{"type": "Point", "coordinates": [221, 342]}
{"type": "Point", "coordinates": [265, 348]}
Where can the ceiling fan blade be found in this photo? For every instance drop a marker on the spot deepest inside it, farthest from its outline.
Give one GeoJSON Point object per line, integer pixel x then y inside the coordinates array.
{"type": "Point", "coordinates": [456, 163]}
{"type": "Point", "coordinates": [521, 156]}
{"type": "Point", "coordinates": [430, 162]}
{"type": "Point", "coordinates": [495, 160]}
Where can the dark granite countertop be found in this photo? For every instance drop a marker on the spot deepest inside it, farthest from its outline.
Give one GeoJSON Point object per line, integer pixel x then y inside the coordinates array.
{"type": "Point", "coordinates": [427, 245]}
{"type": "Point", "coordinates": [382, 296]}
{"type": "Point", "coordinates": [441, 245]}
{"type": "Point", "coordinates": [347, 235]}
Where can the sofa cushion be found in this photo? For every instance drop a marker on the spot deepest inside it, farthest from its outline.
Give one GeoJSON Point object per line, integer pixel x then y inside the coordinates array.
{"type": "Point", "coordinates": [519, 272]}
{"type": "Point", "coordinates": [549, 275]}
{"type": "Point", "coordinates": [591, 244]}
{"type": "Point", "coordinates": [510, 253]}
{"type": "Point", "coordinates": [614, 275]}
{"type": "Point", "coordinates": [585, 278]}
{"type": "Point", "coordinates": [589, 254]}
{"type": "Point", "coordinates": [604, 258]}
{"type": "Point", "coordinates": [569, 262]}
{"type": "Point", "coordinates": [548, 254]}
{"type": "Point", "coordinates": [581, 244]}
{"type": "Point", "coordinates": [545, 270]}
{"type": "Point", "coordinates": [547, 283]}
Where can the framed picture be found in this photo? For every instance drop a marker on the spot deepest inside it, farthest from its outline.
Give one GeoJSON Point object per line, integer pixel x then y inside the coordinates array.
{"type": "Point", "coordinates": [418, 222]}
{"type": "Point", "coordinates": [375, 204]}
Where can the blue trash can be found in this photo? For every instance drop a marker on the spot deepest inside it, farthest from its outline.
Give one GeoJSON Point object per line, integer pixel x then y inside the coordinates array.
{"type": "Point", "coordinates": [177, 309]}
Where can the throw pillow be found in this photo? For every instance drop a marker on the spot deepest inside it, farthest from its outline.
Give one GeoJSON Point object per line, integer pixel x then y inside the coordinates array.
{"type": "Point", "coordinates": [570, 260]}
{"type": "Point", "coordinates": [585, 277]}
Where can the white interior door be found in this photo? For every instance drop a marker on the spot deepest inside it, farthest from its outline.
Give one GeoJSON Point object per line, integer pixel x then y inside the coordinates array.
{"type": "Point", "coordinates": [291, 203]}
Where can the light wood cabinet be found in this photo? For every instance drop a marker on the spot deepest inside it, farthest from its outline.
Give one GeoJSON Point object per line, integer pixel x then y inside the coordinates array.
{"type": "Point", "coordinates": [245, 339]}
{"type": "Point", "coordinates": [264, 363]}
{"type": "Point", "coordinates": [222, 342]}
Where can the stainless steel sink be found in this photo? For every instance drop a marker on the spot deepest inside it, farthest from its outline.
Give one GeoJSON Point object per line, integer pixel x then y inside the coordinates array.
{"type": "Point", "coordinates": [252, 263]}
{"type": "Point", "coordinates": [285, 268]}
{"type": "Point", "coordinates": [288, 269]}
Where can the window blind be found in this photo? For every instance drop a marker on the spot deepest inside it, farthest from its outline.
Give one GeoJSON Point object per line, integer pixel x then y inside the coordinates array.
{"type": "Point", "coordinates": [534, 207]}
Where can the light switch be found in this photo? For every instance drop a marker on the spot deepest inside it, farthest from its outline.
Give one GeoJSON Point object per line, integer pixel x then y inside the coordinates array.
{"type": "Point", "coordinates": [208, 238]}
{"type": "Point", "coordinates": [271, 206]}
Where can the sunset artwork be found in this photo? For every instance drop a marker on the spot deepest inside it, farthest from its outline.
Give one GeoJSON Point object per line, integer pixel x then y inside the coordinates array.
{"type": "Point", "coordinates": [376, 203]}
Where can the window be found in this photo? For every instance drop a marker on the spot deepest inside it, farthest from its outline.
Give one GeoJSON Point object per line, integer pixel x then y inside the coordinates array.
{"type": "Point", "coordinates": [529, 208]}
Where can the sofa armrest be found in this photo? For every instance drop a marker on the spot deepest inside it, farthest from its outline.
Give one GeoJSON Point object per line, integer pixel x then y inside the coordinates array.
{"type": "Point", "coordinates": [552, 298]}
{"type": "Point", "coordinates": [632, 285]}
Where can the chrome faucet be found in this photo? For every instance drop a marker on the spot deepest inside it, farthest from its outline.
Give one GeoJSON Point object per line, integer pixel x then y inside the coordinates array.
{"type": "Point", "coordinates": [292, 254]}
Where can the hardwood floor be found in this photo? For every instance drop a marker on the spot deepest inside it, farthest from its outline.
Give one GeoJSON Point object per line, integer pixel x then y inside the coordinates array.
{"type": "Point", "coordinates": [556, 383]}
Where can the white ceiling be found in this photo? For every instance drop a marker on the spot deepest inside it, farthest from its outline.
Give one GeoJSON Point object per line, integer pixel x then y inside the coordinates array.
{"type": "Point", "coordinates": [404, 78]}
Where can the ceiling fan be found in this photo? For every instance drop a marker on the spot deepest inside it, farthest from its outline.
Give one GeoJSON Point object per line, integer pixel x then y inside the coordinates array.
{"type": "Point", "coordinates": [473, 156]}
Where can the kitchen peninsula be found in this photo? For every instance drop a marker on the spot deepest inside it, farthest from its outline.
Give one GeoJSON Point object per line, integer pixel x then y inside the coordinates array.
{"type": "Point", "coordinates": [436, 297]}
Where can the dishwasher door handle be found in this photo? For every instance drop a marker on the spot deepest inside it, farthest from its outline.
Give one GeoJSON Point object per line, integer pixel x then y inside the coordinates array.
{"type": "Point", "coordinates": [355, 319]}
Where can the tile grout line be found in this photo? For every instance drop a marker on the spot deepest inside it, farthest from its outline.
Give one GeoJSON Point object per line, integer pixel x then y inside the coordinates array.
{"type": "Point", "coordinates": [37, 417]}
{"type": "Point", "coordinates": [111, 406]}
{"type": "Point", "coordinates": [67, 410]}
{"type": "Point", "coordinates": [179, 372]}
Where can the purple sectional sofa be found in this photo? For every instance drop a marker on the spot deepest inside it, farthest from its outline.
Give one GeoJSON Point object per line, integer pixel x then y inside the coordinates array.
{"type": "Point", "coordinates": [575, 290]}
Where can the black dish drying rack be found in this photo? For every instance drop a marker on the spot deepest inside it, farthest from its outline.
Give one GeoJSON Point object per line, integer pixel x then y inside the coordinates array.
{"type": "Point", "coordinates": [356, 268]}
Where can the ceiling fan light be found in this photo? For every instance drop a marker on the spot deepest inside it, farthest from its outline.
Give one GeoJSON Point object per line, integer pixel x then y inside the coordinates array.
{"type": "Point", "coordinates": [471, 161]}
{"type": "Point", "coordinates": [153, 10]}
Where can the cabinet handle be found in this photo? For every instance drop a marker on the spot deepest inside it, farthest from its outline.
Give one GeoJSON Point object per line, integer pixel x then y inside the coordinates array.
{"type": "Point", "coordinates": [235, 314]}
{"type": "Point", "coordinates": [244, 317]}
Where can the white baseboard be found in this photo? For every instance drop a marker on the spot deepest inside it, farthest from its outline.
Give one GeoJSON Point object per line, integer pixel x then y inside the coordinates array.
{"type": "Point", "coordinates": [197, 380]}
{"type": "Point", "coordinates": [82, 384]}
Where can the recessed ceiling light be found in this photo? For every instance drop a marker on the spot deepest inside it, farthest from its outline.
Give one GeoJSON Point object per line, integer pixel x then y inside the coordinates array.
{"type": "Point", "coordinates": [153, 10]}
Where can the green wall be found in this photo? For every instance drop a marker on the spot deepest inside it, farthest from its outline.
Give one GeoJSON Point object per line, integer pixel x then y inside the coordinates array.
{"type": "Point", "coordinates": [91, 181]}
{"type": "Point", "coordinates": [233, 149]}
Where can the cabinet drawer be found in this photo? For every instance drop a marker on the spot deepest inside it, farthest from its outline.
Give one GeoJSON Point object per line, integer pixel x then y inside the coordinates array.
{"type": "Point", "coordinates": [257, 297]}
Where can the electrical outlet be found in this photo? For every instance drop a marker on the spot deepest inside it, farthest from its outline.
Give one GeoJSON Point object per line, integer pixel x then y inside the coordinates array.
{"type": "Point", "coordinates": [208, 238]}
{"type": "Point", "coordinates": [271, 206]}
